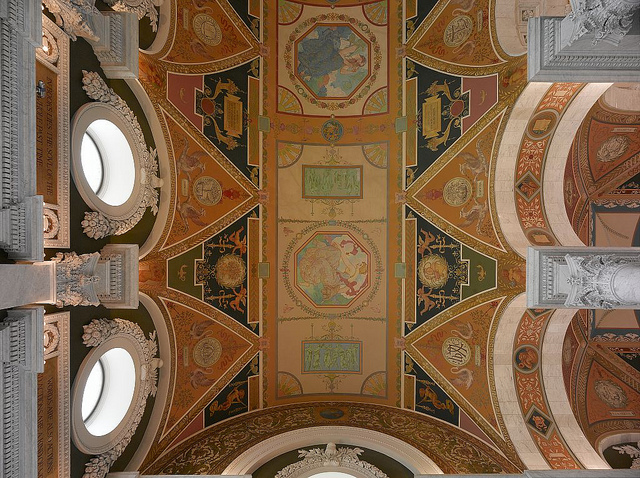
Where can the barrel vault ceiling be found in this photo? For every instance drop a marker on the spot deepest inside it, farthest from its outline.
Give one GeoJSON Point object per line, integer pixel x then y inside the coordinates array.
{"type": "Point", "coordinates": [332, 252]}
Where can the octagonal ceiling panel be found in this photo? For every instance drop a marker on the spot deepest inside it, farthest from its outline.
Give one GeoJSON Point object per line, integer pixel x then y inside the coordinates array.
{"type": "Point", "coordinates": [331, 62]}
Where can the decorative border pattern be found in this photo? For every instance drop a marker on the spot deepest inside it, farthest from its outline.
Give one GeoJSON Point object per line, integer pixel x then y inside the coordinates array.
{"type": "Point", "coordinates": [527, 372]}
{"type": "Point", "coordinates": [534, 148]}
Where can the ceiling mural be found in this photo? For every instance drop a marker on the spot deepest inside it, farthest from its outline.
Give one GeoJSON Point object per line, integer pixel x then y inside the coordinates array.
{"type": "Point", "coordinates": [332, 244]}
{"type": "Point", "coordinates": [602, 376]}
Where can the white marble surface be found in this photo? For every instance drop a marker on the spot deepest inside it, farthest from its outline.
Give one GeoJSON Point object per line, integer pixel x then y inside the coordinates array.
{"type": "Point", "coordinates": [22, 284]}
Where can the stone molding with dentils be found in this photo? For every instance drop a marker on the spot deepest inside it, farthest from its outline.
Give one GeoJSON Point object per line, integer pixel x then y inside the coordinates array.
{"type": "Point", "coordinates": [549, 58]}
{"type": "Point", "coordinates": [330, 458]}
{"type": "Point", "coordinates": [98, 332]}
{"type": "Point", "coordinates": [99, 224]}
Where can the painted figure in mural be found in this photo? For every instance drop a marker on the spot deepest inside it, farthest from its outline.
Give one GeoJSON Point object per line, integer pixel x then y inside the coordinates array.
{"type": "Point", "coordinates": [332, 269]}
{"type": "Point", "coordinates": [332, 61]}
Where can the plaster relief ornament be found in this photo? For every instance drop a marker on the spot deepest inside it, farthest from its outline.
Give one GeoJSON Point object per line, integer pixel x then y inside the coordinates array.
{"type": "Point", "coordinates": [95, 334]}
{"type": "Point", "coordinates": [333, 459]}
{"type": "Point", "coordinates": [140, 8]}
{"type": "Point", "coordinates": [75, 278]}
{"type": "Point", "coordinates": [613, 148]}
{"type": "Point", "coordinates": [607, 20]}
{"type": "Point", "coordinates": [98, 224]}
{"type": "Point", "coordinates": [611, 393]}
{"type": "Point", "coordinates": [632, 451]}
{"type": "Point", "coordinates": [74, 16]}
{"type": "Point", "coordinates": [602, 281]}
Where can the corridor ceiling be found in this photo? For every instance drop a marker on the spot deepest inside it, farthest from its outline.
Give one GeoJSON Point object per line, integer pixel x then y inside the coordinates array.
{"type": "Point", "coordinates": [332, 253]}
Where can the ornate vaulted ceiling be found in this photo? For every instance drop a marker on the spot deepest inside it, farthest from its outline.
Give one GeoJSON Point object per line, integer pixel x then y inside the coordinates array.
{"type": "Point", "coordinates": [332, 245]}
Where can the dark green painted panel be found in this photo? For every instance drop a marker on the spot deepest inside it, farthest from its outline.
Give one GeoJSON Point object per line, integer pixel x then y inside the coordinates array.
{"type": "Point", "coordinates": [181, 273]}
{"type": "Point", "coordinates": [482, 272]}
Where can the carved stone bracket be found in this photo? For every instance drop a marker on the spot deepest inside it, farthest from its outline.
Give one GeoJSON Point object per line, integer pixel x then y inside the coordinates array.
{"type": "Point", "coordinates": [606, 20]}
{"type": "Point", "coordinates": [74, 17]}
{"type": "Point", "coordinates": [331, 459]}
{"type": "Point", "coordinates": [140, 7]}
{"type": "Point", "coordinates": [95, 334]}
{"type": "Point", "coordinates": [100, 224]}
{"type": "Point", "coordinates": [586, 277]}
{"type": "Point", "coordinates": [597, 41]}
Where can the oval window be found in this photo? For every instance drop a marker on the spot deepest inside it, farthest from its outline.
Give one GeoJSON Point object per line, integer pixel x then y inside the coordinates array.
{"type": "Point", "coordinates": [108, 391]}
{"type": "Point", "coordinates": [107, 162]}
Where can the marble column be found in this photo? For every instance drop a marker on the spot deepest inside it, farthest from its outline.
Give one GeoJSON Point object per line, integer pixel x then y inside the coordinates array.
{"type": "Point", "coordinates": [583, 277]}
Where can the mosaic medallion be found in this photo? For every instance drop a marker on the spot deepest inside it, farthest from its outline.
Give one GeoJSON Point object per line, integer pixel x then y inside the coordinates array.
{"type": "Point", "coordinates": [332, 269]}
{"type": "Point", "coordinates": [456, 351]}
{"type": "Point", "coordinates": [433, 271]}
{"type": "Point", "coordinates": [207, 352]}
{"type": "Point", "coordinates": [207, 29]}
{"type": "Point", "coordinates": [332, 60]}
{"type": "Point", "coordinates": [332, 130]}
{"type": "Point", "coordinates": [526, 359]}
{"type": "Point", "coordinates": [231, 271]}
{"type": "Point", "coordinates": [458, 31]}
{"type": "Point", "coordinates": [207, 191]}
{"type": "Point", "coordinates": [339, 268]}
{"type": "Point", "coordinates": [457, 191]}
{"type": "Point", "coordinates": [542, 124]}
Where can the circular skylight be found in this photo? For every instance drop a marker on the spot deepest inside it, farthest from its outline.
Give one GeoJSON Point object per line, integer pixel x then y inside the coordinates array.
{"type": "Point", "coordinates": [107, 162]}
{"type": "Point", "coordinates": [108, 392]}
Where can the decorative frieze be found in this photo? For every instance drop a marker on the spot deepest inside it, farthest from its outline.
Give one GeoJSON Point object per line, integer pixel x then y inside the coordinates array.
{"type": "Point", "coordinates": [54, 394]}
{"type": "Point", "coordinates": [52, 127]}
{"type": "Point", "coordinates": [20, 208]}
